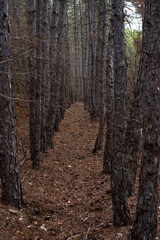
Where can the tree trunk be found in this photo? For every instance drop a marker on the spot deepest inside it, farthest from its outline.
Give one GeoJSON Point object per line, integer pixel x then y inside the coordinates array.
{"type": "Point", "coordinates": [53, 58]}
{"type": "Point", "coordinates": [82, 47]}
{"type": "Point", "coordinates": [22, 62]}
{"type": "Point", "coordinates": [120, 207]}
{"type": "Point", "coordinates": [76, 48]}
{"type": "Point", "coordinates": [60, 63]}
{"type": "Point", "coordinates": [45, 92]}
{"type": "Point", "coordinates": [68, 65]}
{"type": "Point", "coordinates": [11, 187]}
{"type": "Point", "coordinates": [145, 224]}
{"type": "Point", "coordinates": [100, 71]}
{"type": "Point", "coordinates": [92, 60]}
{"type": "Point", "coordinates": [86, 62]}
{"type": "Point", "coordinates": [108, 153]}
{"type": "Point", "coordinates": [134, 138]}
{"type": "Point", "coordinates": [35, 87]}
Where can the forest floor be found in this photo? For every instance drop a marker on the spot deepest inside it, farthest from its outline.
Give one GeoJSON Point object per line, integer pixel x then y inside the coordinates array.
{"type": "Point", "coordinates": [68, 198]}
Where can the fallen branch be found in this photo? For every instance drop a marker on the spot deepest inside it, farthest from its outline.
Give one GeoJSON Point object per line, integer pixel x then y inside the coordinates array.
{"type": "Point", "coordinates": [24, 177]}
{"type": "Point", "coordinates": [85, 115]}
{"type": "Point", "coordinates": [74, 236]}
{"type": "Point", "coordinates": [23, 161]}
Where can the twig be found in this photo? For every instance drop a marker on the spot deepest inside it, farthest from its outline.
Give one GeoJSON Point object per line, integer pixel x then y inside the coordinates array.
{"type": "Point", "coordinates": [87, 233]}
{"type": "Point", "coordinates": [23, 161]}
{"type": "Point", "coordinates": [74, 236]}
{"type": "Point", "coordinates": [24, 177]}
{"type": "Point", "coordinates": [77, 120]}
{"type": "Point", "coordinates": [89, 145]}
{"type": "Point", "coordinates": [18, 99]}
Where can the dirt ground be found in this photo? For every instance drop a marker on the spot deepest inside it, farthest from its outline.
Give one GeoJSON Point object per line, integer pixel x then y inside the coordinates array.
{"type": "Point", "coordinates": [69, 197]}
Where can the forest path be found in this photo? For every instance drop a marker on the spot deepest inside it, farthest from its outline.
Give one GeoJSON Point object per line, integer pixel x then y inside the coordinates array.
{"type": "Point", "coordinates": [66, 199]}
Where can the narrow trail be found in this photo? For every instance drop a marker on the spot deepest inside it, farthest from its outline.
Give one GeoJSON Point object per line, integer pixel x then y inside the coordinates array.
{"type": "Point", "coordinates": [66, 199]}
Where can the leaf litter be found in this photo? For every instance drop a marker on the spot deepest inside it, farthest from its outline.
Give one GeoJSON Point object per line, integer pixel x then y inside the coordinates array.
{"type": "Point", "coordinates": [69, 197]}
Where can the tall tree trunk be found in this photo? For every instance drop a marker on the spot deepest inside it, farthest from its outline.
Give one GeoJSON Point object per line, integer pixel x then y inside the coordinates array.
{"type": "Point", "coordinates": [86, 61]}
{"type": "Point", "coordinates": [92, 60]}
{"type": "Point", "coordinates": [60, 62]}
{"type": "Point", "coordinates": [134, 138]}
{"type": "Point", "coordinates": [45, 93]}
{"type": "Point", "coordinates": [35, 87]}
{"type": "Point", "coordinates": [11, 187]}
{"type": "Point", "coordinates": [76, 48]}
{"type": "Point", "coordinates": [53, 62]}
{"type": "Point", "coordinates": [145, 224]}
{"type": "Point", "coordinates": [120, 207]}
{"type": "Point", "coordinates": [82, 47]}
{"type": "Point", "coordinates": [22, 62]}
{"type": "Point", "coordinates": [108, 153]}
{"type": "Point", "coordinates": [68, 65]}
{"type": "Point", "coordinates": [100, 71]}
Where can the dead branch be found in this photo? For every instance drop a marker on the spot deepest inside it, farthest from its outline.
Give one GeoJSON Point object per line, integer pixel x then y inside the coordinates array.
{"type": "Point", "coordinates": [23, 161]}
{"type": "Point", "coordinates": [24, 177]}
{"type": "Point", "coordinates": [85, 115]}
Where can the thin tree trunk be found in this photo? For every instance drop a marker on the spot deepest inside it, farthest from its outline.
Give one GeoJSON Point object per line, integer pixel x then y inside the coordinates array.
{"type": "Point", "coordinates": [100, 71]}
{"type": "Point", "coordinates": [11, 187]}
{"type": "Point", "coordinates": [23, 63]}
{"type": "Point", "coordinates": [35, 86]}
{"type": "Point", "coordinates": [76, 49]}
{"type": "Point", "coordinates": [108, 153]}
{"type": "Point", "coordinates": [53, 62]}
{"type": "Point", "coordinates": [82, 48]}
{"type": "Point", "coordinates": [45, 93]}
{"type": "Point", "coordinates": [60, 63]}
{"type": "Point", "coordinates": [86, 62]}
{"type": "Point", "coordinates": [92, 62]}
{"type": "Point", "coordinates": [120, 207]}
{"type": "Point", "coordinates": [67, 64]}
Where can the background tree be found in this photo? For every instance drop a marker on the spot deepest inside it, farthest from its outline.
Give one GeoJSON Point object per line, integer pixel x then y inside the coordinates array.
{"type": "Point", "coordinates": [139, 4]}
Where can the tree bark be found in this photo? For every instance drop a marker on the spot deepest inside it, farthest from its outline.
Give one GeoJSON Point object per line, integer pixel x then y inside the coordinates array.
{"type": "Point", "coordinates": [120, 207]}
{"type": "Point", "coordinates": [59, 83]}
{"type": "Point", "coordinates": [35, 87]}
{"type": "Point", "coordinates": [145, 224]}
{"type": "Point", "coordinates": [68, 64]}
{"type": "Point", "coordinates": [108, 153]}
{"type": "Point", "coordinates": [53, 58]}
{"type": "Point", "coordinates": [86, 93]}
{"type": "Point", "coordinates": [92, 58]}
{"type": "Point", "coordinates": [76, 49]}
{"type": "Point", "coordinates": [11, 187]}
{"type": "Point", "coordinates": [100, 72]}
{"type": "Point", "coordinates": [134, 138]}
{"type": "Point", "coordinates": [45, 92]}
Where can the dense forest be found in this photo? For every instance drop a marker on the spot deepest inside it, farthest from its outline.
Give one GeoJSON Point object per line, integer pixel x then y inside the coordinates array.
{"type": "Point", "coordinates": [79, 73]}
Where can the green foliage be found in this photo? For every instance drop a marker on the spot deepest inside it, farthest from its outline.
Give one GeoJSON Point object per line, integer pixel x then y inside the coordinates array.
{"type": "Point", "coordinates": [133, 48]}
{"type": "Point", "coordinates": [27, 212]}
{"type": "Point", "coordinates": [131, 38]}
